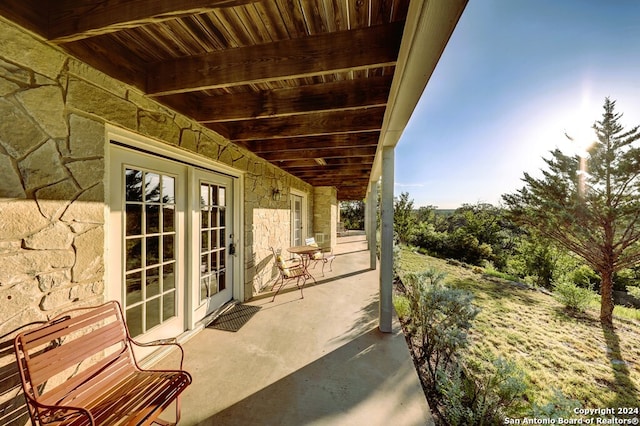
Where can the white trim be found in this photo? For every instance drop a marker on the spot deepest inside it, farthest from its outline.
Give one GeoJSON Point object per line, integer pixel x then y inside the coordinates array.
{"type": "Point", "coordinates": [306, 232]}
{"type": "Point", "coordinates": [136, 141]}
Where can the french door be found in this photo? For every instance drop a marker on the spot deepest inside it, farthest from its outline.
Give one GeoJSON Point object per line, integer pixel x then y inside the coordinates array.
{"type": "Point", "coordinates": [297, 237]}
{"type": "Point", "coordinates": [147, 233]}
{"type": "Point", "coordinates": [171, 242]}
{"type": "Point", "coordinates": [215, 246]}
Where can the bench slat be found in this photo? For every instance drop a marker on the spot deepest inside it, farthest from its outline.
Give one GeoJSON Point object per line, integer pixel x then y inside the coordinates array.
{"type": "Point", "coordinates": [94, 347]}
{"type": "Point", "coordinates": [113, 364]}
{"type": "Point", "coordinates": [60, 327]}
{"type": "Point", "coordinates": [68, 354]}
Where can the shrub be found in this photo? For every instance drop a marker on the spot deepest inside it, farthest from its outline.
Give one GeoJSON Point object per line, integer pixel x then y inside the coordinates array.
{"type": "Point", "coordinates": [440, 319]}
{"type": "Point", "coordinates": [482, 400]}
{"type": "Point", "coordinates": [559, 406]}
{"type": "Point", "coordinates": [634, 291]}
{"type": "Point", "coordinates": [455, 392]}
{"type": "Point", "coordinates": [401, 304]}
{"type": "Point", "coordinates": [573, 297]}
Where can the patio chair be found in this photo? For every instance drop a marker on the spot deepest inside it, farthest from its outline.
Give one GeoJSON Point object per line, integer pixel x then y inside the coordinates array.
{"type": "Point", "coordinates": [321, 256]}
{"type": "Point", "coordinates": [288, 270]}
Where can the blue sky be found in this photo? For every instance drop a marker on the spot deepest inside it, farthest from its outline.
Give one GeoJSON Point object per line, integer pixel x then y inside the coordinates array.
{"type": "Point", "coordinates": [514, 77]}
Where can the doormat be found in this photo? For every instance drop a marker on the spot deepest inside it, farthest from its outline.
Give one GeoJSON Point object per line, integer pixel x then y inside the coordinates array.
{"type": "Point", "coordinates": [234, 318]}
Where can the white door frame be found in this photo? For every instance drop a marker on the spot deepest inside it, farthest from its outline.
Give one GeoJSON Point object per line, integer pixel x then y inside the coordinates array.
{"type": "Point", "coordinates": [203, 308]}
{"type": "Point", "coordinates": [121, 158]}
{"type": "Point", "coordinates": [144, 144]}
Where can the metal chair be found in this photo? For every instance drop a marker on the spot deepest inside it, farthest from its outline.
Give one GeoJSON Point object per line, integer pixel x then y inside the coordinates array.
{"type": "Point", "coordinates": [289, 270]}
{"type": "Point", "coordinates": [321, 256]}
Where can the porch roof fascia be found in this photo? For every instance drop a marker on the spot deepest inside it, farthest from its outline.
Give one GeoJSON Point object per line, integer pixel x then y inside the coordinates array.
{"type": "Point", "coordinates": [428, 29]}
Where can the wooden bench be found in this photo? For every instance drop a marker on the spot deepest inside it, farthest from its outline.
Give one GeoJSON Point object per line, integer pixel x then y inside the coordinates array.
{"type": "Point", "coordinates": [79, 369]}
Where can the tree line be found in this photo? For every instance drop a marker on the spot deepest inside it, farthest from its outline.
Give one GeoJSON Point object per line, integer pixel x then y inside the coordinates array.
{"type": "Point", "coordinates": [578, 222]}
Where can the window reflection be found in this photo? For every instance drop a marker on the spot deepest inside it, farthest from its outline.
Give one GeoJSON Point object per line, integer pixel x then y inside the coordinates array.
{"type": "Point", "coordinates": [149, 228]}
{"type": "Point", "coordinates": [212, 232]}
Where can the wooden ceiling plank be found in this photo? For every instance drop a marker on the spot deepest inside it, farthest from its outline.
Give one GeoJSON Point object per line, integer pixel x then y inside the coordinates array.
{"type": "Point", "coordinates": [110, 58]}
{"type": "Point", "coordinates": [339, 95]}
{"type": "Point", "coordinates": [30, 14]}
{"type": "Point", "coordinates": [296, 58]}
{"type": "Point", "coordinates": [309, 173]}
{"type": "Point", "coordinates": [341, 174]}
{"type": "Point", "coordinates": [345, 140]}
{"type": "Point", "coordinates": [310, 162]}
{"type": "Point", "coordinates": [72, 20]}
{"type": "Point", "coordinates": [324, 123]}
{"type": "Point", "coordinates": [318, 153]}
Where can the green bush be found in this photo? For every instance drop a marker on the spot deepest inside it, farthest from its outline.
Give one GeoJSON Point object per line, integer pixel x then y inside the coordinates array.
{"type": "Point", "coordinates": [401, 304]}
{"type": "Point", "coordinates": [585, 276]}
{"type": "Point", "coordinates": [559, 406]}
{"type": "Point", "coordinates": [455, 392]}
{"type": "Point", "coordinates": [573, 297]}
{"type": "Point", "coordinates": [482, 400]}
{"type": "Point", "coordinates": [634, 291]}
{"type": "Point", "coordinates": [440, 318]}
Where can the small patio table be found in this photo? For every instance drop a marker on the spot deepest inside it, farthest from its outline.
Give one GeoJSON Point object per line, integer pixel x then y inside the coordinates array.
{"type": "Point", "coordinates": [305, 253]}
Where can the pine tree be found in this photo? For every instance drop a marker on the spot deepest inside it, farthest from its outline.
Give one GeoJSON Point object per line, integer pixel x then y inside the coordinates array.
{"type": "Point", "coordinates": [590, 202]}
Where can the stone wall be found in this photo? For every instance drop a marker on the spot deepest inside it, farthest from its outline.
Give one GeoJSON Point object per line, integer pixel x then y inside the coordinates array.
{"type": "Point", "coordinates": [325, 214]}
{"type": "Point", "coordinates": [53, 111]}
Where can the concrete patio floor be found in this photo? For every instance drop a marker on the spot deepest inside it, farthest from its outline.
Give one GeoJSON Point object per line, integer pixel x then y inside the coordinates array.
{"type": "Point", "coordinates": [320, 360]}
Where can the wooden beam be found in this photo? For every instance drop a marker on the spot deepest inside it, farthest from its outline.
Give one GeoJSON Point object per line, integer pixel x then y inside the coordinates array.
{"type": "Point", "coordinates": [351, 196]}
{"type": "Point", "coordinates": [342, 140]}
{"type": "Point", "coordinates": [79, 19]}
{"type": "Point", "coordinates": [339, 95]}
{"type": "Point", "coordinates": [333, 172]}
{"type": "Point", "coordinates": [111, 58]}
{"type": "Point", "coordinates": [29, 14]}
{"type": "Point", "coordinates": [310, 162]}
{"type": "Point", "coordinates": [339, 183]}
{"type": "Point", "coordinates": [324, 123]}
{"type": "Point", "coordinates": [286, 59]}
{"type": "Point", "coordinates": [318, 153]}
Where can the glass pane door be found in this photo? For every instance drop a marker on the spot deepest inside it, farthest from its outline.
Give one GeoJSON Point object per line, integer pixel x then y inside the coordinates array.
{"type": "Point", "coordinates": [213, 251]}
{"type": "Point", "coordinates": [212, 241]}
{"type": "Point", "coordinates": [147, 260]}
{"type": "Point", "coordinates": [150, 255]}
{"type": "Point", "coordinates": [296, 221]}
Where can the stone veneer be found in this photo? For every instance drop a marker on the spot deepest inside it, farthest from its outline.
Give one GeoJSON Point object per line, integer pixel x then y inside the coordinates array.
{"type": "Point", "coordinates": [53, 111]}
{"type": "Point", "coordinates": [325, 215]}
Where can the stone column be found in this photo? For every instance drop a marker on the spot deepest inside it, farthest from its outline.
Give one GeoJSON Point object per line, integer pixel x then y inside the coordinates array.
{"type": "Point", "coordinates": [325, 215]}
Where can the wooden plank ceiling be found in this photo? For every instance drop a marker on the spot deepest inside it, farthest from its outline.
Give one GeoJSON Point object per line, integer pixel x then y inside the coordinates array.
{"type": "Point", "coordinates": [302, 83]}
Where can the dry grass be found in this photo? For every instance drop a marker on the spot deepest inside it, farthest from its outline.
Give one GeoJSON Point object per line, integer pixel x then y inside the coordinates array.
{"type": "Point", "coordinates": [555, 349]}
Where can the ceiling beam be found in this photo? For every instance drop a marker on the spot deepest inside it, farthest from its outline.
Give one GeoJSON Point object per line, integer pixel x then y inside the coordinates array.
{"type": "Point", "coordinates": [320, 54]}
{"type": "Point", "coordinates": [352, 184]}
{"type": "Point", "coordinates": [341, 140]}
{"type": "Point", "coordinates": [339, 95]}
{"type": "Point", "coordinates": [291, 165]}
{"type": "Point", "coordinates": [318, 153]}
{"type": "Point", "coordinates": [342, 174]}
{"type": "Point", "coordinates": [30, 14]}
{"type": "Point", "coordinates": [323, 123]}
{"type": "Point", "coordinates": [72, 20]}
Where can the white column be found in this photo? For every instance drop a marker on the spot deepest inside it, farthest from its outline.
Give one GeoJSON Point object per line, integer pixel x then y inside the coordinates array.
{"type": "Point", "coordinates": [386, 240]}
{"type": "Point", "coordinates": [372, 213]}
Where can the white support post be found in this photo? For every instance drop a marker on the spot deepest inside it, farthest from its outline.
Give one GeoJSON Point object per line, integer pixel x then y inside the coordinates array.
{"type": "Point", "coordinates": [372, 203]}
{"type": "Point", "coordinates": [386, 240]}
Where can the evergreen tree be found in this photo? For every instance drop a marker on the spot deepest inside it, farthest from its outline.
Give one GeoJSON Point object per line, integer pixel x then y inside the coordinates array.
{"type": "Point", "coordinates": [404, 219]}
{"type": "Point", "coordinates": [590, 203]}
